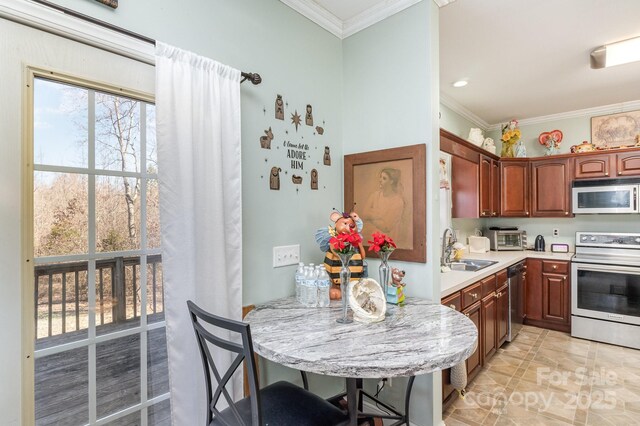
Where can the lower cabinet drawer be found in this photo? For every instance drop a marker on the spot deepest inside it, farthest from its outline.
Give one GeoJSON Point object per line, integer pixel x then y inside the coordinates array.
{"type": "Point", "coordinates": [471, 294]}
{"type": "Point", "coordinates": [555, 267]}
{"type": "Point", "coordinates": [453, 301]}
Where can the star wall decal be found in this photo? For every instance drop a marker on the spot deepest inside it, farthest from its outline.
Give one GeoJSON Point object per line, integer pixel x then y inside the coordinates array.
{"type": "Point", "coordinates": [295, 119]}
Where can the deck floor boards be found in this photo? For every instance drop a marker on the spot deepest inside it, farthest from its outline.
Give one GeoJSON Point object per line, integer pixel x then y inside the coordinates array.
{"type": "Point", "coordinates": [61, 380]}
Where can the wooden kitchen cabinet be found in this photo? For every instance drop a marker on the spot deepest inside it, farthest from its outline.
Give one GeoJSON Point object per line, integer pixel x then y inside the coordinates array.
{"type": "Point", "coordinates": [489, 326]}
{"type": "Point", "coordinates": [453, 301]}
{"type": "Point", "coordinates": [628, 164]}
{"type": "Point", "coordinates": [551, 188]}
{"type": "Point", "coordinates": [464, 188]}
{"type": "Point", "coordinates": [592, 166]}
{"type": "Point", "coordinates": [489, 187]}
{"type": "Point", "coordinates": [602, 166]}
{"type": "Point", "coordinates": [495, 188]}
{"type": "Point", "coordinates": [533, 291]}
{"type": "Point", "coordinates": [502, 305]}
{"type": "Point", "coordinates": [548, 294]}
{"type": "Point", "coordinates": [514, 188]}
{"type": "Point", "coordinates": [474, 362]}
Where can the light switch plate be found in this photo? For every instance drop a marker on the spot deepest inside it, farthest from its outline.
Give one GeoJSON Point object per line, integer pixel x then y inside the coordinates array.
{"type": "Point", "coordinates": [286, 255]}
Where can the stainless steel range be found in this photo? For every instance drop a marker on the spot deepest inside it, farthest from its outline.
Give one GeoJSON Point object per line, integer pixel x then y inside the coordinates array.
{"type": "Point", "coordinates": [605, 288]}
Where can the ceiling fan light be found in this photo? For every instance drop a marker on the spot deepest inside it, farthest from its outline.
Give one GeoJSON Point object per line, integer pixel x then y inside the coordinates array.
{"type": "Point", "coordinates": [460, 83]}
{"type": "Point", "coordinates": [622, 52]}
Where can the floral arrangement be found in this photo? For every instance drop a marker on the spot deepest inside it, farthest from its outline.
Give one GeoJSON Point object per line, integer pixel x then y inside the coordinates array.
{"type": "Point", "coordinates": [381, 242]}
{"type": "Point", "coordinates": [510, 136]}
{"type": "Point", "coordinates": [551, 140]}
{"type": "Point", "coordinates": [346, 242]}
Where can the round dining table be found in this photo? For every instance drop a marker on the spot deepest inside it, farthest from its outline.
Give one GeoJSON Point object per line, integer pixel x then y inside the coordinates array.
{"type": "Point", "coordinates": [416, 338]}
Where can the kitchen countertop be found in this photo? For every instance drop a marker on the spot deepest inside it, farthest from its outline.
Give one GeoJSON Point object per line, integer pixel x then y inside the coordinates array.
{"type": "Point", "coordinates": [452, 281]}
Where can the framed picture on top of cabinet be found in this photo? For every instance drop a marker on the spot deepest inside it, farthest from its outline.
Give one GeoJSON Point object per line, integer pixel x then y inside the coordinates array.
{"type": "Point", "coordinates": [387, 189]}
{"type": "Point", "coordinates": [615, 130]}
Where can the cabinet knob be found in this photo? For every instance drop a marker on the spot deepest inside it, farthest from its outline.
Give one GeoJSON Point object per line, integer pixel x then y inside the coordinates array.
{"type": "Point", "coordinates": [555, 266]}
{"type": "Point", "coordinates": [619, 173]}
{"type": "Point", "coordinates": [494, 214]}
{"type": "Point", "coordinates": [498, 295]}
{"type": "Point", "coordinates": [474, 295]}
{"type": "Point", "coordinates": [466, 315]}
{"type": "Point", "coordinates": [566, 213]}
{"type": "Point", "coordinates": [526, 213]}
{"type": "Point", "coordinates": [452, 306]}
{"type": "Point", "coordinates": [606, 174]}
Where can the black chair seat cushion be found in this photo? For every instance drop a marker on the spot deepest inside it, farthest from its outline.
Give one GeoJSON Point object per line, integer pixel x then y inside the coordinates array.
{"type": "Point", "coordinates": [285, 404]}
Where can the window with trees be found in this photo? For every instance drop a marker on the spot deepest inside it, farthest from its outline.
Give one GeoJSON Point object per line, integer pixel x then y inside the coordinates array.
{"type": "Point", "coordinates": [100, 348]}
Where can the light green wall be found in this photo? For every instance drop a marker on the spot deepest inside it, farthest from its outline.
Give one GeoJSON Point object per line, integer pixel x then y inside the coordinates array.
{"type": "Point", "coordinates": [297, 59]}
{"type": "Point", "coordinates": [390, 101]}
{"type": "Point", "coordinates": [455, 123]}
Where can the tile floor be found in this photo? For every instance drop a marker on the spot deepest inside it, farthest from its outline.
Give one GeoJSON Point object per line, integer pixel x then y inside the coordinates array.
{"type": "Point", "coordinates": [546, 377]}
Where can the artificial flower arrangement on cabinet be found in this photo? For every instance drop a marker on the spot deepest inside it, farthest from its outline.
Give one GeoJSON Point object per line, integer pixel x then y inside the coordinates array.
{"type": "Point", "coordinates": [551, 141]}
{"type": "Point", "coordinates": [510, 137]}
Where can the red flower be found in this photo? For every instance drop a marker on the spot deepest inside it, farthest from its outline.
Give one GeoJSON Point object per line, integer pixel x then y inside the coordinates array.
{"type": "Point", "coordinates": [381, 242]}
{"type": "Point", "coordinates": [346, 242]}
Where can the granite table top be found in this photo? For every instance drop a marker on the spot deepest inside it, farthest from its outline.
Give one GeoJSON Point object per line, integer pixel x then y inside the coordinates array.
{"type": "Point", "coordinates": [417, 338]}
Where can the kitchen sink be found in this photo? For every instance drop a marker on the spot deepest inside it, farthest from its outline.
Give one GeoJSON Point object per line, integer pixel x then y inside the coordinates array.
{"type": "Point", "coordinates": [471, 265]}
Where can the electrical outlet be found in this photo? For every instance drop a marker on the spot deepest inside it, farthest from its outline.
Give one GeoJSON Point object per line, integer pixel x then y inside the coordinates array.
{"type": "Point", "coordinates": [556, 232]}
{"type": "Point", "coordinates": [390, 381]}
{"type": "Point", "coordinates": [286, 255]}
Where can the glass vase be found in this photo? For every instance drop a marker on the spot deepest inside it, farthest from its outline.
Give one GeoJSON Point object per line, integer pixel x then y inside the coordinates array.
{"type": "Point", "coordinates": [384, 271]}
{"type": "Point", "coordinates": [345, 277]}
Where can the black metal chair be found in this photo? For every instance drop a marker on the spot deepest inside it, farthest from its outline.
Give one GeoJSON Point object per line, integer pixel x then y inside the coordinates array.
{"type": "Point", "coordinates": [279, 404]}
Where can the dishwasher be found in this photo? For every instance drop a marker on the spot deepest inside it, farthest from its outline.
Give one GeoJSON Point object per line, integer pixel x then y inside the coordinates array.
{"type": "Point", "coordinates": [516, 275]}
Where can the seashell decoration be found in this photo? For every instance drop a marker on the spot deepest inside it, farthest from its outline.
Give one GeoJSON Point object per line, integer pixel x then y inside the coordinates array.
{"type": "Point", "coordinates": [367, 301]}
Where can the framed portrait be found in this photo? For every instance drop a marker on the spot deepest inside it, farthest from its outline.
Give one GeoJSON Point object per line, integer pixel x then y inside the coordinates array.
{"type": "Point", "coordinates": [387, 189]}
{"type": "Point", "coordinates": [615, 130]}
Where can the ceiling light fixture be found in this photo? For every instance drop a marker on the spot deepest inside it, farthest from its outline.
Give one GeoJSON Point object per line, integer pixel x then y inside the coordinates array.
{"type": "Point", "coordinates": [621, 52]}
{"type": "Point", "coordinates": [460, 83]}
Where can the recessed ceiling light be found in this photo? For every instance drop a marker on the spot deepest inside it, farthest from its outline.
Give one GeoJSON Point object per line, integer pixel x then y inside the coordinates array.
{"type": "Point", "coordinates": [460, 83]}
{"type": "Point", "coordinates": [621, 52]}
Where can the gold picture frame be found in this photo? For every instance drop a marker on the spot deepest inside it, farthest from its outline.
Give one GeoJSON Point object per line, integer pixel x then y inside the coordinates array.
{"type": "Point", "coordinates": [388, 189]}
{"type": "Point", "coordinates": [615, 130]}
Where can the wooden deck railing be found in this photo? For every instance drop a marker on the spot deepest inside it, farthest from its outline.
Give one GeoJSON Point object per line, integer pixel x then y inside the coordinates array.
{"type": "Point", "coordinates": [62, 291]}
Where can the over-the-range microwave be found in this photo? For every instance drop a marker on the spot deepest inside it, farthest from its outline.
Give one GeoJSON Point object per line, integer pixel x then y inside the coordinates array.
{"type": "Point", "coordinates": [606, 196]}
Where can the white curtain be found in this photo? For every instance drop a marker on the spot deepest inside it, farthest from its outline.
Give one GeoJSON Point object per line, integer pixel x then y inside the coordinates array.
{"type": "Point", "coordinates": [198, 134]}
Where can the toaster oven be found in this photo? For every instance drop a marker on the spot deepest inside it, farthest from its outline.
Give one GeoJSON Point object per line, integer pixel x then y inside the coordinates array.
{"type": "Point", "coordinates": [502, 240]}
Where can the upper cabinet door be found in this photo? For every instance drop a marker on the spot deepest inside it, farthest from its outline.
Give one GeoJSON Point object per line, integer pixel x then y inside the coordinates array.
{"type": "Point", "coordinates": [495, 188]}
{"type": "Point", "coordinates": [514, 188]}
{"type": "Point", "coordinates": [628, 164]}
{"type": "Point", "coordinates": [486, 187]}
{"type": "Point", "coordinates": [551, 188]}
{"type": "Point", "coordinates": [592, 166]}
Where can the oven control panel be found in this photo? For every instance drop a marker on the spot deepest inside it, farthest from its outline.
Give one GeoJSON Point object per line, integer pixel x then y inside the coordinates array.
{"type": "Point", "coordinates": [605, 239]}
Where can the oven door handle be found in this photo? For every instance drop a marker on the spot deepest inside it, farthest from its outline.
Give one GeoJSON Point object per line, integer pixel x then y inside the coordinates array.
{"type": "Point", "coordinates": [605, 268]}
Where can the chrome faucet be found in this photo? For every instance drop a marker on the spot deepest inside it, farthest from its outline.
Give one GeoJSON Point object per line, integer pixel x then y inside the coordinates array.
{"type": "Point", "coordinates": [447, 246]}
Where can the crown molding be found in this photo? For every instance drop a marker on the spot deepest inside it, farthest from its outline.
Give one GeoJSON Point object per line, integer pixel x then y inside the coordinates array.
{"type": "Point", "coordinates": [55, 22]}
{"type": "Point", "coordinates": [464, 112]}
{"type": "Point", "coordinates": [443, 3]}
{"type": "Point", "coordinates": [343, 29]}
{"type": "Point", "coordinates": [318, 14]}
{"type": "Point", "coordinates": [375, 14]}
{"type": "Point", "coordinates": [587, 112]}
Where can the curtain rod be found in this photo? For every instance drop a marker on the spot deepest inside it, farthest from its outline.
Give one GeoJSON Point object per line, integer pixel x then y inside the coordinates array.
{"type": "Point", "coordinates": [254, 78]}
